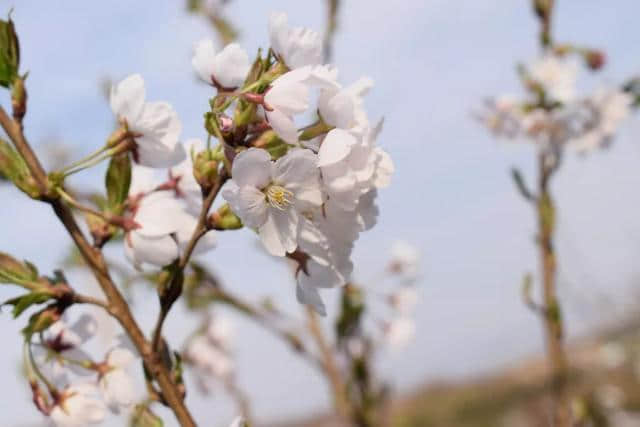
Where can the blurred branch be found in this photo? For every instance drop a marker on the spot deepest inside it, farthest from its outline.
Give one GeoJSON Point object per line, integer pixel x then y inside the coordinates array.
{"type": "Point", "coordinates": [521, 185]}
{"type": "Point", "coordinates": [331, 27]}
{"type": "Point", "coordinates": [225, 30]}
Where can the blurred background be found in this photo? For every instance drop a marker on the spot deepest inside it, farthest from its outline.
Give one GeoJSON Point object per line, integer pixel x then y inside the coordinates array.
{"type": "Point", "coordinates": [433, 62]}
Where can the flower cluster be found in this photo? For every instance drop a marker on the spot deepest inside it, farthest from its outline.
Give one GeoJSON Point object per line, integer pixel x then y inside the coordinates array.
{"type": "Point", "coordinates": [552, 115]}
{"type": "Point", "coordinates": [307, 191]}
{"type": "Point", "coordinates": [86, 388]}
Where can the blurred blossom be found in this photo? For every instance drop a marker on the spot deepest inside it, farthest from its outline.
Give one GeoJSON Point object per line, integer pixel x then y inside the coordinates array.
{"type": "Point", "coordinates": [116, 383]}
{"type": "Point", "coordinates": [78, 406]}
{"type": "Point", "coordinates": [405, 259]}
{"type": "Point", "coordinates": [209, 351]}
{"type": "Point", "coordinates": [556, 75]}
{"type": "Point", "coordinates": [404, 299]}
{"type": "Point", "coordinates": [612, 355]}
{"type": "Point", "coordinates": [398, 332]}
{"type": "Point", "coordinates": [610, 396]}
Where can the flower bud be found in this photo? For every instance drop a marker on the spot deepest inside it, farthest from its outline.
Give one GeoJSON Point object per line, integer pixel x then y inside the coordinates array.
{"type": "Point", "coordinates": [595, 59]}
{"type": "Point", "coordinates": [41, 320]}
{"type": "Point", "coordinates": [18, 98]}
{"type": "Point", "coordinates": [224, 219]}
{"type": "Point", "coordinates": [205, 169]}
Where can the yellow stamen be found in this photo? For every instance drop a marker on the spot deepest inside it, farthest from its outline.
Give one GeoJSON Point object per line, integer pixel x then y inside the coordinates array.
{"type": "Point", "coordinates": [279, 197]}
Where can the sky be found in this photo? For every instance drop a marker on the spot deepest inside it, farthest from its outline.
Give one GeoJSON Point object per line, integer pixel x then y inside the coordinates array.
{"type": "Point", "coordinates": [433, 62]}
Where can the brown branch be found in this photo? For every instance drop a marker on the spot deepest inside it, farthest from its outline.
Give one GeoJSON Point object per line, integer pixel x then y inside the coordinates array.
{"type": "Point", "coordinates": [117, 305]}
{"type": "Point", "coordinates": [329, 363]}
{"type": "Point", "coordinates": [552, 316]}
{"type": "Point", "coordinates": [174, 287]}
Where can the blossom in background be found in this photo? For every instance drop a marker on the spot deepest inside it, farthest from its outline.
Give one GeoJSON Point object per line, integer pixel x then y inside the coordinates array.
{"type": "Point", "coordinates": [142, 182]}
{"type": "Point", "coordinates": [164, 229]}
{"type": "Point", "coordinates": [269, 196]}
{"type": "Point", "coordinates": [297, 47]}
{"type": "Point", "coordinates": [226, 69]}
{"type": "Point", "coordinates": [557, 76]}
{"type": "Point", "coordinates": [210, 351]}
{"type": "Point", "coordinates": [77, 406]}
{"type": "Point", "coordinates": [405, 259]}
{"type": "Point", "coordinates": [155, 125]}
{"type": "Point", "coordinates": [116, 383]}
{"type": "Point", "coordinates": [612, 355]}
{"type": "Point", "coordinates": [398, 332]}
{"type": "Point", "coordinates": [65, 339]}
{"type": "Point", "coordinates": [404, 299]}
{"type": "Point", "coordinates": [238, 422]}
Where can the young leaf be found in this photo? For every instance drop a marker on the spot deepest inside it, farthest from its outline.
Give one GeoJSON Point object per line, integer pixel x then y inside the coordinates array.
{"type": "Point", "coordinates": [9, 53]}
{"type": "Point", "coordinates": [118, 180]}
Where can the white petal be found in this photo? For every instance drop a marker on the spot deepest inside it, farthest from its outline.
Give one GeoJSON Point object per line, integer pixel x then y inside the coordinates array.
{"type": "Point", "coordinates": [156, 214]}
{"type": "Point", "coordinates": [231, 66]}
{"type": "Point", "coordinates": [204, 59]}
{"type": "Point", "coordinates": [118, 389]}
{"type": "Point", "coordinates": [335, 147]}
{"type": "Point", "coordinates": [278, 30]}
{"type": "Point", "coordinates": [120, 357]}
{"type": "Point", "coordinates": [127, 98]}
{"type": "Point", "coordinates": [384, 169]}
{"type": "Point", "coordinates": [280, 231]}
{"type": "Point", "coordinates": [297, 167]}
{"type": "Point", "coordinates": [309, 295]}
{"type": "Point", "coordinates": [283, 126]}
{"type": "Point", "coordinates": [290, 97]}
{"type": "Point", "coordinates": [159, 251]}
{"type": "Point", "coordinates": [252, 168]}
{"type": "Point", "coordinates": [252, 207]}
{"type": "Point", "coordinates": [238, 422]}
{"type": "Point", "coordinates": [336, 108]}
{"type": "Point", "coordinates": [305, 48]}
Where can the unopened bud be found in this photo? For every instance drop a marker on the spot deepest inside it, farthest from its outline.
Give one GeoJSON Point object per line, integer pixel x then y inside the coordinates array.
{"type": "Point", "coordinates": [18, 98]}
{"type": "Point", "coordinates": [224, 219]}
{"type": "Point", "coordinates": [42, 320]}
{"type": "Point", "coordinates": [205, 169]}
{"type": "Point", "coordinates": [595, 59]}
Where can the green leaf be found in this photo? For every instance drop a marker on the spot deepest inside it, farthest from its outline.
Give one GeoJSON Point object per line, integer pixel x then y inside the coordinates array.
{"type": "Point", "coordinates": [9, 53]}
{"type": "Point", "coordinates": [21, 303]}
{"type": "Point", "coordinates": [118, 180]}
{"type": "Point", "coordinates": [16, 272]}
{"type": "Point", "coordinates": [13, 166]}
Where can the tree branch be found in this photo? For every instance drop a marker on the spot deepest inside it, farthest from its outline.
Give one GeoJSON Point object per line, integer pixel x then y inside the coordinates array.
{"type": "Point", "coordinates": [117, 305]}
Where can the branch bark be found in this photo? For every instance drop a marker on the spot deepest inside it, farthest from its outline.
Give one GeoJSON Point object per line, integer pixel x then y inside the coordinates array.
{"type": "Point", "coordinates": [117, 305]}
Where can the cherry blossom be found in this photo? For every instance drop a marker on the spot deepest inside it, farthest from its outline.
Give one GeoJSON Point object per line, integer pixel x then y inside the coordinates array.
{"type": "Point", "coordinates": [398, 332]}
{"type": "Point", "coordinates": [155, 125]}
{"type": "Point", "coordinates": [226, 69]}
{"type": "Point", "coordinates": [77, 406]}
{"type": "Point", "coordinates": [556, 75]}
{"type": "Point", "coordinates": [187, 186]}
{"type": "Point", "coordinates": [116, 383]}
{"type": "Point", "coordinates": [269, 196]}
{"type": "Point", "coordinates": [297, 47]}
{"type": "Point", "coordinates": [164, 230]}
{"type": "Point", "coordinates": [405, 259]}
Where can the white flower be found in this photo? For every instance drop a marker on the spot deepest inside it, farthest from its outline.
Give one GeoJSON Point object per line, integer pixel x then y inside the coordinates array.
{"type": "Point", "coordinates": [297, 47]}
{"type": "Point", "coordinates": [78, 406]}
{"type": "Point", "coordinates": [220, 331]}
{"type": "Point", "coordinates": [607, 108]}
{"type": "Point", "coordinates": [188, 187]}
{"type": "Point", "coordinates": [156, 123]}
{"type": "Point", "coordinates": [353, 166]}
{"type": "Point", "coordinates": [612, 355]}
{"type": "Point", "coordinates": [165, 229]}
{"type": "Point", "coordinates": [404, 299]}
{"type": "Point", "coordinates": [343, 107]}
{"type": "Point", "coordinates": [405, 259]}
{"type": "Point", "coordinates": [558, 77]}
{"type": "Point", "coordinates": [227, 68]}
{"type": "Point", "coordinates": [287, 96]}
{"type": "Point", "coordinates": [268, 196]}
{"type": "Point", "coordinates": [399, 332]}
{"type": "Point", "coordinates": [65, 340]}
{"type": "Point", "coordinates": [209, 358]}
{"type": "Point", "coordinates": [116, 384]}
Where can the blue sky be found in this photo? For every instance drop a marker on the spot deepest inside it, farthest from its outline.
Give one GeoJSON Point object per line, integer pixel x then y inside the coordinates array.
{"type": "Point", "coordinates": [433, 61]}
